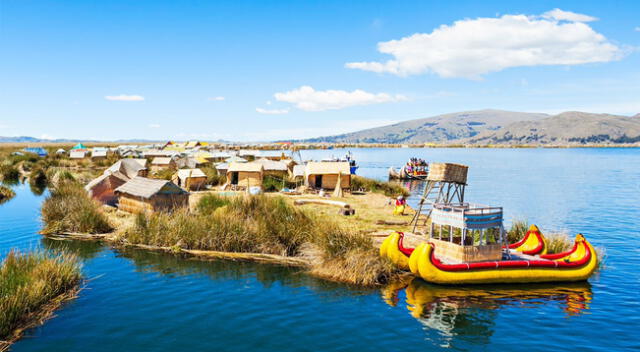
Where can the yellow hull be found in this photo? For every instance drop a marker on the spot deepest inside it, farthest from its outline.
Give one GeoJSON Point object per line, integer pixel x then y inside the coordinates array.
{"type": "Point", "coordinates": [390, 249]}
{"type": "Point", "coordinates": [421, 263]}
{"type": "Point", "coordinates": [533, 242]}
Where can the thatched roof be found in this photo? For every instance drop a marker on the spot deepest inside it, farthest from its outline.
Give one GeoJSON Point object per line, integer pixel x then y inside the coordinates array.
{"type": "Point", "coordinates": [161, 161]}
{"type": "Point", "coordinates": [327, 168]}
{"type": "Point", "coordinates": [185, 173]}
{"type": "Point", "coordinates": [298, 170]}
{"type": "Point", "coordinates": [270, 165]}
{"type": "Point", "coordinates": [148, 187]}
{"type": "Point", "coordinates": [245, 167]}
{"type": "Point", "coordinates": [113, 177]}
{"type": "Point", "coordinates": [128, 167]}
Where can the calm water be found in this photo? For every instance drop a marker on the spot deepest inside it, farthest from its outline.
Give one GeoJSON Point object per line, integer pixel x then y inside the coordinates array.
{"type": "Point", "coordinates": [140, 301]}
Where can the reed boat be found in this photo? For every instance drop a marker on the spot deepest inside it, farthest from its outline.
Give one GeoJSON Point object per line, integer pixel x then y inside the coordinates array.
{"type": "Point", "coordinates": [577, 264]}
{"type": "Point", "coordinates": [532, 243]}
{"type": "Point", "coordinates": [404, 175]}
{"type": "Point", "coordinates": [473, 250]}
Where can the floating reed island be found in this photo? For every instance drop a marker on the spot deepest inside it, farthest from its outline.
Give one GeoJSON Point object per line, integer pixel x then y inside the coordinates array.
{"type": "Point", "coordinates": [206, 200]}
{"type": "Point", "coordinates": [32, 286]}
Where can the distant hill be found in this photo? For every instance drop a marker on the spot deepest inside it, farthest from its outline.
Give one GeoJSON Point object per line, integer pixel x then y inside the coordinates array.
{"type": "Point", "coordinates": [501, 127]}
{"type": "Point", "coordinates": [438, 129]}
{"type": "Point", "coordinates": [571, 127]}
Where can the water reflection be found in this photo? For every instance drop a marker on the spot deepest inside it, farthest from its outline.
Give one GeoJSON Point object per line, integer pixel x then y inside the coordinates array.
{"type": "Point", "coordinates": [471, 311]}
{"type": "Point", "coordinates": [83, 249]}
{"type": "Point", "coordinates": [179, 265]}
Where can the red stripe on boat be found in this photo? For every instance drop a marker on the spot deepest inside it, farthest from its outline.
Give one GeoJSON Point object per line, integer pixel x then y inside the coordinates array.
{"type": "Point", "coordinates": [405, 251]}
{"type": "Point", "coordinates": [511, 264]}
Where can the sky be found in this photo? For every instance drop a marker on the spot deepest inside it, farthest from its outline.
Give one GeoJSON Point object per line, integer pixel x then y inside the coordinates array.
{"type": "Point", "coordinates": [276, 70]}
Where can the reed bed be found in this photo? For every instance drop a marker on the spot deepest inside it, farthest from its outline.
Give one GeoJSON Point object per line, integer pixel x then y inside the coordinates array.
{"type": "Point", "coordinates": [6, 194]}
{"type": "Point", "coordinates": [266, 225]}
{"type": "Point", "coordinates": [69, 208]}
{"type": "Point", "coordinates": [359, 183]}
{"type": "Point", "coordinates": [32, 286]}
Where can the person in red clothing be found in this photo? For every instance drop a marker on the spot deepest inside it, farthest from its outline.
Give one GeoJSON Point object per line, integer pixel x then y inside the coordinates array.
{"type": "Point", "coordinates": [401, 203]}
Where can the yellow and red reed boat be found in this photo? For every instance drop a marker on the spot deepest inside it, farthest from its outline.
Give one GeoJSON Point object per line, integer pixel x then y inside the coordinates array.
{"type": "Point", "coordinates": [532, 243]}
{"type": "Point", "coordinates": [577, 264]}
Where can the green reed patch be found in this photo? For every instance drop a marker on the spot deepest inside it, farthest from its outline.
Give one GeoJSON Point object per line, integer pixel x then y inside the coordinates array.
{"type": "Point", "coordinates": [69, 208]}
{"type": "Point", "coordinates": [28, 282]}
{"type": "Point", "coordinates": [359, 183]}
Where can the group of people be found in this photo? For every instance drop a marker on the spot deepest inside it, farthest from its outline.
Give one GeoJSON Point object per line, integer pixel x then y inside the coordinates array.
{"type": "Point", "coordinates": [416, 166]}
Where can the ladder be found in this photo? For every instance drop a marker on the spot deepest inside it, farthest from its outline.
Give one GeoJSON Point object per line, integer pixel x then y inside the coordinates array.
{"type": "Point", "coordinates": [437, 192]}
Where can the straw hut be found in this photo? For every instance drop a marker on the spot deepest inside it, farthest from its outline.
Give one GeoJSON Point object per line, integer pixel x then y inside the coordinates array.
{"type": "Point", "coordinates": [222, 168]}
{"type": "Point", "coordinates": [276, 169]}
{"type": "Point", "coordinates": [274, 155]}
{"type": "Point", "coordinates": [220, 156]}
{"type": "Point", "coordinates": [129, 167]}
{"type": "Point", "coordinates": [162, 163]}
{"type": "Point", "coordinates": [61, 152]}
{"type": "Point", "coordinates": [325, 175]}
{"type": "Point", "coordinates": [103, 187]}
{"type": "Point", "coordinates": [190, 179]}
{"type": "Point", "coordinates": [77, 154]}
{"type": "Point", "coordinates": [297, 174]}
{"type": "Point", "coordinates": [245, 174]}
{"type": "Point", "coordinates": [141, 194]}
{"type": "Point", "coordinates": [99, 154]}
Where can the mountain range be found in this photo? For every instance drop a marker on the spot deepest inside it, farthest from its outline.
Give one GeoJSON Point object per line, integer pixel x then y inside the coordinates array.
{"type": "Point", "coordinates": [502, 127]}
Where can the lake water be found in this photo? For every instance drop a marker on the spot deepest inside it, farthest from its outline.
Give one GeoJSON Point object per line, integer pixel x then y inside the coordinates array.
{"type": "Point", "coordinates": [141, 301]}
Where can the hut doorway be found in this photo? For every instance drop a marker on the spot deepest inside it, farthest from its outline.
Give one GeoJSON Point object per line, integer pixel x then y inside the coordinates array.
{"type": "Point", "coordinates": [318, 183]}
{"type": "Point", "coordinates": [234, 178]}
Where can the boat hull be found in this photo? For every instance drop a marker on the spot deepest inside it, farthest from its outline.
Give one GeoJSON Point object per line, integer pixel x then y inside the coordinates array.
{"type": "Point", "coordinates": [578, 265]}
{"type": "Point", "coordinates": [532, 243]}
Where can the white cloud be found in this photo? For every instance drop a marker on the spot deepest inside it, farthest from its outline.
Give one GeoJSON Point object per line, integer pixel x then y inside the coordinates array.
{"type": "Point", "coordinates": [218, 98]}
{"type": "Point", "coordinates": [308, 99]}
{"type": "Point", "coordinates": [637, 29]}
{"type": "Point", "coordinates": [124, 97]}
{"type": "Point", "coordinates": [472, 47]}
{"type": "Point", "coordinates": [154, 125]}
{"type": "Point", "coordinates": [46, 136]}
{"type": "Point", "coordinates": [559, 15]}
{"type": "Point", "coordinates": [272, 111]}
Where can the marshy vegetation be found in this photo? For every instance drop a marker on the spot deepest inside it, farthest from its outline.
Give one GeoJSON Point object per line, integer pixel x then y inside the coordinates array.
{"type": "Point", "coordinates": [32, 286]}
{"type": "Point", "coordinates": [68, 208]}
{"type": "Point", "coordinates": [6, 194]}
{"type": "Point", "coordinates": [266, 225]}
{"type": "Point", "coordinates": [359, 183]}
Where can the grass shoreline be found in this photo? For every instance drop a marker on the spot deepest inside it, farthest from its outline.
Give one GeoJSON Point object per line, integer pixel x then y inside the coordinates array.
{"type": "Point", "coordinates": [32, 286]}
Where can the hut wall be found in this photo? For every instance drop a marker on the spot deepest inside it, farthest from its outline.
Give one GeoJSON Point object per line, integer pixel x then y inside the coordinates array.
{"type": "Point", "coordinates": [169, 202]}
{"type": "Point", "coordinates": [134, 205]}
{"type": "Point", "coordinates": [249, 178]}
{"type": "Point", "coordinates": [329, 181]}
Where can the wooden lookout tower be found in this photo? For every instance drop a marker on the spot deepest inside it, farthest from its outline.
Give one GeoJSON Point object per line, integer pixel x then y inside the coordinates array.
{"type": "Point", "coordinates": [445, 185]}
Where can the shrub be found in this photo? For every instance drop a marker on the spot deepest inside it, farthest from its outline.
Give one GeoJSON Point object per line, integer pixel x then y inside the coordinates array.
{"type": "Point", "coordinates": [9, 173]}
{"type": "Point", "coordinates": [213, 177]}
{"type": "Point", "coordinates": [389, 189]}
{"type": "Point", "coordinates": [28, 282]}
{"type": "Point", "coordinates": [70, 209]}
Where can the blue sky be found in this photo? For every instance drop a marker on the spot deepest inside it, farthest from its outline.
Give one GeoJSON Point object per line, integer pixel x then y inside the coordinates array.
{"type": "Point", "coordinates": [263, 70]}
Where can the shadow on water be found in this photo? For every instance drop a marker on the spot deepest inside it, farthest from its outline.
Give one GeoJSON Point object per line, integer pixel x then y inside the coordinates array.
{"type": "Point", "coordinates": [83, 249]}
{"type": "Point", "coordinates": [267, 274]}
{"type": "Point", "coordinates": [471, 311]}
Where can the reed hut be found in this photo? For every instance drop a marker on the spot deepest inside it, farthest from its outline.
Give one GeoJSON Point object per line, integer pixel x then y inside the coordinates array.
{"type": "Point", "coordinates": [129, 167]}
{"type": "Point", "coordinates": [276, 169]}
{"type": "Point", "coordinates": [162, 163]}
{"type": "Point", "coordinates": [222, 168]}
{"type": "Point", "coordinates": [297, 174]}
{"type": "Point", "coordinates": [77, 154]}
{"type": "Point", "coordinates": [140, 195]}
{"type": "Point", "coordinates": [190, 179]}
{"type": "Point", "coordinates": [245, 174]}
{"type": "Point", "coordinates": [99, 154]}
{"type": "Point", "coordinates": [325, 175]}
{"type": "Point", "coordinates": [103, 187]}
